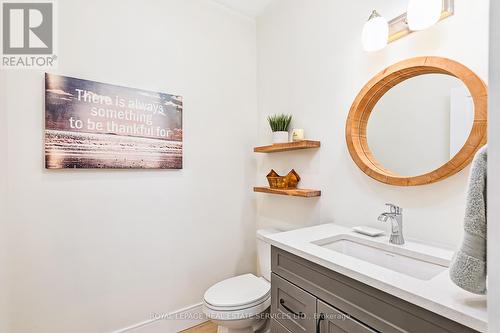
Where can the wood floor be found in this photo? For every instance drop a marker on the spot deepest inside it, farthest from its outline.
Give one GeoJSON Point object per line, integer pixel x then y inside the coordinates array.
{"type": "Point", "coordinates": [207, 327]}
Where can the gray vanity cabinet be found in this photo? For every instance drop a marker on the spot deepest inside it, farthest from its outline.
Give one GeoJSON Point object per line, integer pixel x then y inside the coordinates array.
{"type": "Point", "coordinates": [309, 298]}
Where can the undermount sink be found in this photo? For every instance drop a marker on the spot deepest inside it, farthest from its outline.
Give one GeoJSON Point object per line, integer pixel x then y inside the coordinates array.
{"type": "Point", "coordinates": [401, 259]}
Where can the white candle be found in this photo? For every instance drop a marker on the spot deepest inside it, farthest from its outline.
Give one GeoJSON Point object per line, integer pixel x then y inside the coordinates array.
{"type": "Point", "coordinates": [298, 134]}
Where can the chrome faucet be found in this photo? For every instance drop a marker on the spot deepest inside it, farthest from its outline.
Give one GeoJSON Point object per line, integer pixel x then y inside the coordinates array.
{"type": "Point", "coordinates": [396, 215]}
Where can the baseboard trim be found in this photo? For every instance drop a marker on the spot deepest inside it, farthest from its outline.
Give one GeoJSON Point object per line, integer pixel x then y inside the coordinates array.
{"type": "Point", "coordinates": [176, 321]}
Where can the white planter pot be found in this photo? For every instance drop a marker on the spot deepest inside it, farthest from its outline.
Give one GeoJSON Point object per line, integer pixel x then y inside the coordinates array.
{"type": "Point", "coordinates": [280, 137]}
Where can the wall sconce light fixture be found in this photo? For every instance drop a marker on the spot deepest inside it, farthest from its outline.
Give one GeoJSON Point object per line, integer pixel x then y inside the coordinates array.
{"type": "Point", "coordinates": [421, 14]}
{"type": "Point", "coordinates": [375, 33]}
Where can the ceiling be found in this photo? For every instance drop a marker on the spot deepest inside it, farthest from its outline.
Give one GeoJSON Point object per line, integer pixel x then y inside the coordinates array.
{"type": "Point", "coordinates": [250, 8]}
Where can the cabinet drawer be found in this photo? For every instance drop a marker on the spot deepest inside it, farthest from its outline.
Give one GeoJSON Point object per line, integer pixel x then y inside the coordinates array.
{"type": "Point", "coordinates": [333, 321]}
{"type": "Point", "coordinates": [277, 327]}
{"type": "Point", "coordinates": [292, 307]}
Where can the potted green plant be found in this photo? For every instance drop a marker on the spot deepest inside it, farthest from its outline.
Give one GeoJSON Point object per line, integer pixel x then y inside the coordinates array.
{"type": "Point", "coordinates": [279, 125]}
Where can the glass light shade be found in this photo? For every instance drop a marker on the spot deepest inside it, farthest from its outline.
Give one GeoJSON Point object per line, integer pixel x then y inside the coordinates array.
{"type": "Point", "coordinates": [375, 33]}
{"type": "Point", "coordinates": [423, 14]}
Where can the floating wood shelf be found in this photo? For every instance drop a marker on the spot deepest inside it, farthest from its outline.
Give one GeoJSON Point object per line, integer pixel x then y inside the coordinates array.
{"type": "Point", "coordinates": [277, 147]}
{"type": "Point", "coordinates": [296, 192]}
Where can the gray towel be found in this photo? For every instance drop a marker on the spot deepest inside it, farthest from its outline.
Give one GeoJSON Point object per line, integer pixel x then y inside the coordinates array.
{"type": "Point", "coordinates": [468, 267]}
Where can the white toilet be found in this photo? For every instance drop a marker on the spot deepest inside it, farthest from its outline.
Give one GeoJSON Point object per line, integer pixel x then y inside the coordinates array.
{"type": "Point", "coordinates": [240, 304]}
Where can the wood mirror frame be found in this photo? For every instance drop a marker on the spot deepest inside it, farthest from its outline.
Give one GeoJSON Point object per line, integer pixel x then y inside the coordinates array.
{"type": "Point", "coordinates": [371, 93]}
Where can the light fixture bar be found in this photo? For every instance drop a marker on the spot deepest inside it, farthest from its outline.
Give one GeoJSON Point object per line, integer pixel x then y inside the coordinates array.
{"type": "Point", "coordinates": [398, 27]}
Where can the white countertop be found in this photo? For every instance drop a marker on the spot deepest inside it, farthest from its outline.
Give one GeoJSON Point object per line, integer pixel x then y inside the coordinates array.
{"type": "Point", "coordinates": [438, 295]}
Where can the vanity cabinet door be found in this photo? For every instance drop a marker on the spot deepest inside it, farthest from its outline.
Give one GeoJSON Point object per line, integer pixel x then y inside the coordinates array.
{"type": "Point", "coordinates": [292, 307]}
{"type": "Point", "coordinates": [330, 320]}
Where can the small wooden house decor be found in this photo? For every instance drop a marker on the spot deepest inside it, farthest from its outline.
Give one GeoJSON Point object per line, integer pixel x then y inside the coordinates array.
{"type": "Point", "coordinates": [289, 181]}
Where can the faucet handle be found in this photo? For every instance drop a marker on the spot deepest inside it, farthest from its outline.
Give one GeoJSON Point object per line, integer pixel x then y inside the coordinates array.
{"type": "Point", "coordinates": [394, 209]}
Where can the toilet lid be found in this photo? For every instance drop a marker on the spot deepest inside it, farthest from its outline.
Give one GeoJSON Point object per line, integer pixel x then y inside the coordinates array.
{"type": "Point", "coordinates": [238, 291]}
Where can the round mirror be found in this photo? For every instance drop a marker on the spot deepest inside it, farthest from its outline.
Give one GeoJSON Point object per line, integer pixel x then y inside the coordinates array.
{"type": "Point", "coordinates": [420, 124]}
{"type": "Point", "coordinates": [418, 121]}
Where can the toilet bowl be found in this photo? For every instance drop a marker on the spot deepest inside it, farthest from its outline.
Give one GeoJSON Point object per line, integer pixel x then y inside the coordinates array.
{"type": "Point", "coordinates": [241, 304]}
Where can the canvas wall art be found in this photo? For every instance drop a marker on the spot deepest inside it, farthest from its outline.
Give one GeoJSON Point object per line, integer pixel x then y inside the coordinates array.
{"type": "Point", "coordinates": [96, 125]}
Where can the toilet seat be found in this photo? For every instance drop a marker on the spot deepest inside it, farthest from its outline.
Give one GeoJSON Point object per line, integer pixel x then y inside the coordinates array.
{"type": "Point", "coordinates": [240, 296]}
{"type": "Point", "coordinates": [238, 314]}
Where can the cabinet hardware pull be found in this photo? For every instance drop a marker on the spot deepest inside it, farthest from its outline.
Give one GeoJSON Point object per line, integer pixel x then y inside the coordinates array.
{"type": "Point", "coordinates": [318, 324]}
{"type": "Point", "coordinates": [301, 315]}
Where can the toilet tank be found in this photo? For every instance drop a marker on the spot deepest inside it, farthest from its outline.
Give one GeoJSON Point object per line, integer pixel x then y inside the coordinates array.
{"type": "Point", "coordinates": [264, 252]}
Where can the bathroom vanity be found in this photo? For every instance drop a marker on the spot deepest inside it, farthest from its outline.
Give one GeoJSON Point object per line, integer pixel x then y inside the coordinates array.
{"type": "Point", "coordinates": [329, 279]}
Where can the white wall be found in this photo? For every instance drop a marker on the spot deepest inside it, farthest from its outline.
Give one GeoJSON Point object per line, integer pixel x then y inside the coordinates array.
{"type": "Point", "coordinates": [493, 175]}
{"type": "Point", "coordinates": [3, 212]}
{"type": "Point", "coordinates": [95, 251]}
{"type": "Point", "coordinates": [311, 64]}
